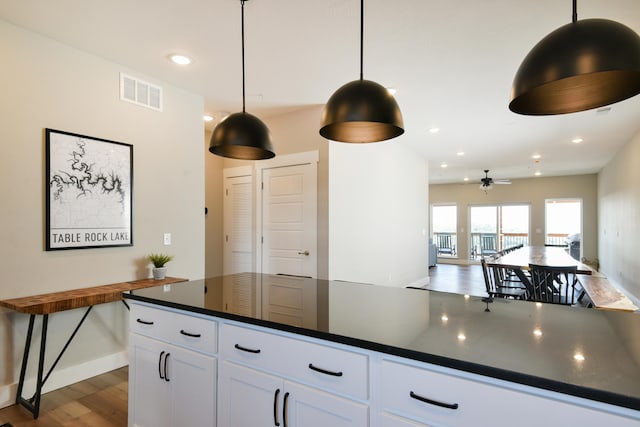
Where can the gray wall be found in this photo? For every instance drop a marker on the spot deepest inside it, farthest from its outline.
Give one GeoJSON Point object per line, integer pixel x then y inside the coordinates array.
{"type": "Point", "coordinates": [46, 84]}
{"type": "Point", "coordinates": [532, 191]}
{"type": "Point", "coordinates": [619, 212]}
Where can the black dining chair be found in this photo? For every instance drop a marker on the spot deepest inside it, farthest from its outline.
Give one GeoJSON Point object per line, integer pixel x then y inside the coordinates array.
{"type": "Point", "coordinates": [496, 286]}
{"type": "Point", "coordinates": [556, 285]}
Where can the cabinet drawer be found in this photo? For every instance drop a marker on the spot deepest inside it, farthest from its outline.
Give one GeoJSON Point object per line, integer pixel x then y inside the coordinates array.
{"type": "Point", "coordinates": [181, 329]}
{"type": "Point", "coordinates": [319, 365]}
{"type": "Point", "coordinates": [437, 398]}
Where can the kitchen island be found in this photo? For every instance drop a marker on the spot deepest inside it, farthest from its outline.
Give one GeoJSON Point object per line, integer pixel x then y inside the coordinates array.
{"type": "Point", "coordinates": [385, 356]}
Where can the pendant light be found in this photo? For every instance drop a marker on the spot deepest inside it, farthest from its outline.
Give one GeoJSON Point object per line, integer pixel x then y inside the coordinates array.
{"type": "Point", "coordinates": [242, 135]}
{"type": "Point", "coordinates": [362, 110]}
{"type": "Point", "coordinates": [582, 65]}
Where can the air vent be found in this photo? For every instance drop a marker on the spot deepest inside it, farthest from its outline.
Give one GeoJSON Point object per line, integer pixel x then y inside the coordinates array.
{"type": "Point", "coordinates": [140, 92]}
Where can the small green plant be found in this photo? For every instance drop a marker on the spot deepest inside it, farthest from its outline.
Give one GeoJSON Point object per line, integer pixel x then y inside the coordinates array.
{"type": "Point", "coordinates": [159, 260]}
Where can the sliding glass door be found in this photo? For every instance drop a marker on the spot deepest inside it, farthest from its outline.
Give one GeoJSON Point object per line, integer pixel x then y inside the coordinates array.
{"type": "Point", "coordinates": [497, 227]}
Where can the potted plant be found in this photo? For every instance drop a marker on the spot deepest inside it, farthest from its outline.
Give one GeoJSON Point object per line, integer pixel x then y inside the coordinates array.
{"type": "Point", "coordinates": [158, 261]}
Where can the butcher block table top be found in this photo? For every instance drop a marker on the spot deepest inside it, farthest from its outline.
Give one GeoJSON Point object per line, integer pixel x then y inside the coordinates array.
{"type": "Point", "coordinates": [77, 298]}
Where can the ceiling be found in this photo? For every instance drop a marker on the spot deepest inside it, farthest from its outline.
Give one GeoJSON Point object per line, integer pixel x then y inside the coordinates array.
{"type": "Point", "coordinates": [452, 64]}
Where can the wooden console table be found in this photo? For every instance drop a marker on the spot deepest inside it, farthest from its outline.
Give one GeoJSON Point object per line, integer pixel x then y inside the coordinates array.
{"type": "Point", "coordinates": [45, 304]}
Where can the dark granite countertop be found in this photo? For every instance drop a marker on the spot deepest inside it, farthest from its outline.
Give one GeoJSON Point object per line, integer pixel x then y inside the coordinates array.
{"type": "Point", "coordinates": [578, 351]}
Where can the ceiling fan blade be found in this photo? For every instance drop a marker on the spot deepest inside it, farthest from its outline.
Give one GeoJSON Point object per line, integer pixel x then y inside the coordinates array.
{"type": "Point", "coordinates": [502, 181]}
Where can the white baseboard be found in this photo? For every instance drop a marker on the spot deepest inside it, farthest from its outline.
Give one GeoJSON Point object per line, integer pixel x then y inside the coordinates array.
{"type": "Point", "coordinates": [63, 377]}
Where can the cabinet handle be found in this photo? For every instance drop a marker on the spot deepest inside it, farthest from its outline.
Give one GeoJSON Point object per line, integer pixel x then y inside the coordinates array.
{"type": "Point", "coordinates": [166, 374]}
{"type": "Point", "coordinates": [248, 350]}
{"type": "Point", "coordinates": [275, 408]}
{"type": "Point", "coordinates": [188, 334]}
{"type": "Point", "coordinates": [433, 402]}
{"type": "Point", "coordinates": [284, 408]}
{"type": "Point", "coordinates": [324, 371]}
{"type": "Point", "coordinates": [144, 322]}
{"type": "Point", "coordinates": [160, 365]}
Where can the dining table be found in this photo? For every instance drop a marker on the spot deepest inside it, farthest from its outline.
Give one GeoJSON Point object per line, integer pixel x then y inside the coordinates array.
{"type": "Point", "coordinates": [548, 256]}
{"type": "Point", "coordinates": [602, 294]}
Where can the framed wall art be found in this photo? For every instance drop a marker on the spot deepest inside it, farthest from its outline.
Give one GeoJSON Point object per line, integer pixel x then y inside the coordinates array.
{"type": "Point", "coordinates": [89, 192]}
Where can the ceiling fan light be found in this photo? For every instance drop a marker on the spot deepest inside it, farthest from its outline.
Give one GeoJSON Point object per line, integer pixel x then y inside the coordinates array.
{"type": "Point", "coordinates": [361, 111]}
{"type": "Point", "coordinates": [582, 65]}
{"type": "Point", "coordinates": [242, 136]}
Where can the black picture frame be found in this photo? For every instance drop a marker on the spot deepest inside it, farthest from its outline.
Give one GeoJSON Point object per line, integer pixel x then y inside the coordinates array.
{"type": "Point", "coordinates": [89, 192]}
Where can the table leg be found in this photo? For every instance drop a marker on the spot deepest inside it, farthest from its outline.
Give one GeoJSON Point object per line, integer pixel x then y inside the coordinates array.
{"type": "Point", "coordinates": [33, 404]}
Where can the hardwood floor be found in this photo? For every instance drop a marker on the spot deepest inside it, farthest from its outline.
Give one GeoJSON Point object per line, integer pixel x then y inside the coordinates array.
{"type": "Point", "coordinates": [458, 279]}
{"type": "Point", "coordinates": [97, 402]}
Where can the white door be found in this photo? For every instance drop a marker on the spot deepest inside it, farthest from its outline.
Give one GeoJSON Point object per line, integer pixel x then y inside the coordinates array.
{"type": "Point", "coordinates": [193, 379]}
{"type": "Point", "coordinates": [238, 225]}
{"type": "Point", "coordinates": [149, 393]}
{"type": "Point", "coordinates": [289, 220]}
{"type": "Point", "coordinates": [308, 407]}
{"type": "Point", "coordinates": [249, 398]}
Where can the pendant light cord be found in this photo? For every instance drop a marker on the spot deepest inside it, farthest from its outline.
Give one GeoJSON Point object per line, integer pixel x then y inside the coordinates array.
{"type": "Point", "coordinates": [574, 18]}
{"type": "Point", "coordinates": [243, 94]}
{"type": "Point", "coordinates": [361, 36]}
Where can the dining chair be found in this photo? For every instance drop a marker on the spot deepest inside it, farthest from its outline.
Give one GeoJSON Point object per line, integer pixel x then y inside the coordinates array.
{"type": "Point", "coordinates": [488, 245]}
{"type": "Point", "coordinates": [556, 285]}
{"type": "Point", "coordinates": [445, 245]}
{"type": "Point", "coordinates": [496, 286]}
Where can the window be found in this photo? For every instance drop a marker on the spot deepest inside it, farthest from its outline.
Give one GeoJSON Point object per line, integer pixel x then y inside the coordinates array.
{"type": "Point", "coordinates": [563, 218]}
{"type": "Point", "coordinates": [444, 223]}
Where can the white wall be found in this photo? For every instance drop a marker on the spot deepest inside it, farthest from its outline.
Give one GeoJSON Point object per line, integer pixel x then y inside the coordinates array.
{"type": "Point", "coordinates": [47, 84]}
{"type": "Point", "coordinates": [378, 213]}
{"type": "Point", "coordinates": [618, 211]}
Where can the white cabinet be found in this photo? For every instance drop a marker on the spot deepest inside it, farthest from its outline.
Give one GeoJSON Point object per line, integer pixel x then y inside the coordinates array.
{"type": "Point", "coordinates": [251, 398]}
{"type": "Point", "coordinates": [428, 395]}
{"type": "Point", "coordinates": [171, 384]}
{"type": "Point", "coordinates": [269, 379]}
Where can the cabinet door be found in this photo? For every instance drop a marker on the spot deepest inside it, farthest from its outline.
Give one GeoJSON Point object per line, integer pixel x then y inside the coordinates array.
{"type": "Point", "coordinates": [307, 407]}
{"type": "Point", "coordinates": [192, 379]}
{"type": "Point", "coordinates": [389, 420]}
{"type": "Point", "coordinates": [249, 398]}
{"type": "Point", "coordinates": [149, 396]}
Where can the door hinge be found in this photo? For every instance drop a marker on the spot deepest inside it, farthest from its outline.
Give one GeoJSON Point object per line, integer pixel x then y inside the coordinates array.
{"type": "Point", "coordinates": [262, 239]}
{"type": "Point", "coordinates": [226, 238]}
{"type": "Point", "coordinates": [262, 185]}
{"type": "Point", "coordinates": [226, 191]}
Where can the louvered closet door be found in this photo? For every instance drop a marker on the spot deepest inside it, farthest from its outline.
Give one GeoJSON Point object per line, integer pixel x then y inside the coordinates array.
{"type": "Point", "coordinates": [238, 225]}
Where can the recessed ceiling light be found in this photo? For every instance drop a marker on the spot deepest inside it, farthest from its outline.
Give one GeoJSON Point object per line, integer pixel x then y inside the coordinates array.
{"type": "Point", "coordinates": [460, 153]}
{"type": "Point", "coordinates": [577, 140]}
{"type": "Point", "coordinates": [179, 59]}
{"type": "Point", "coordinates": [536, 156]}
{"type": "Point", "coordinates": [466, 178]}
{"type": "Point", "coordinates": [443, 165]}
{"type": "Point", "coordinates": [208, 118]}
{"type": "Point", "coordinates": [434, 130]}
{"type": "Point", "coordinates": [579, 357]}
{"type": "Point", "coordinates": [538, 173]}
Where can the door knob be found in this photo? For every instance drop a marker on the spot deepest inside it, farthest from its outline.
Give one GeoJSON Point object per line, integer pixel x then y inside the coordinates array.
{"type": "Point", "coordinates": [305, 253]}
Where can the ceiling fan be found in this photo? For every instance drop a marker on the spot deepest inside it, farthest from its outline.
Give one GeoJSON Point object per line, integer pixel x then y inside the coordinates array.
{"type": "Point", "coordinates": [487, 183]}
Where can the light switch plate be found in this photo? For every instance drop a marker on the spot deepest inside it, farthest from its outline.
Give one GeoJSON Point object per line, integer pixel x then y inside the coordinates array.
{"type": "Point", "coordinates": [167, 238]}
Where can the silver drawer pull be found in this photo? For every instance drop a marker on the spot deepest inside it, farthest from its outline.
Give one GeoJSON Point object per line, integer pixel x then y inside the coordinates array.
{"type": "Point", "coordinates": [189, 334]}
{"type": "Point", "coordinates": [324, 371]}
{"type": "Point", "coordinates": [248, 350]}
{"type": "Point", "coordinates": [433, 402]}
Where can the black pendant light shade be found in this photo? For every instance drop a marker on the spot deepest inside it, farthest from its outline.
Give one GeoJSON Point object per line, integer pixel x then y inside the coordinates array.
{"type": "Point", "coordinates": [361, 111]}
{"type": "Point", "coordinates": [242, 136]}
{"type": "Point", "coordinates": [582, 65]}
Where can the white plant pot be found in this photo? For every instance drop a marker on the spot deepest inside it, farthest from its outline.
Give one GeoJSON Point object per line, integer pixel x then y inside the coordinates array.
{"type": "Point", "coordinates": [159, 272]}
